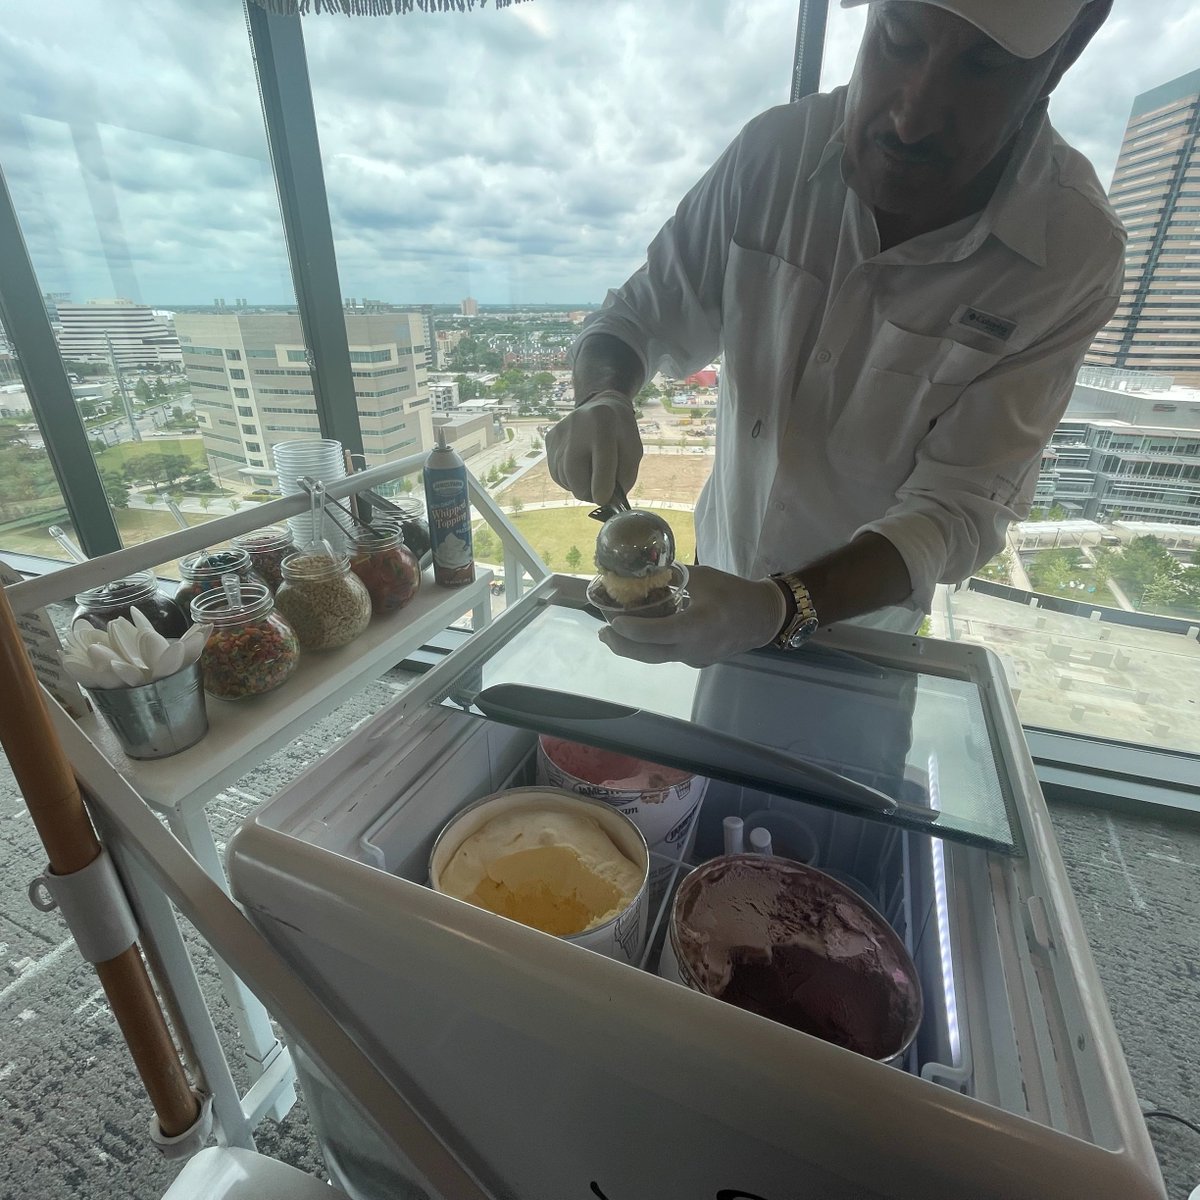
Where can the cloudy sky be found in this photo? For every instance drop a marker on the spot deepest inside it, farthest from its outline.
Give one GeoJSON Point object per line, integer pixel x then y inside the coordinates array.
{"type": "Point", "coordinates": [523, 156]}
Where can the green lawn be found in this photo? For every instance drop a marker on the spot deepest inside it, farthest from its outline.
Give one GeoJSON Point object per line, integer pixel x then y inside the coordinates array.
{"type": "Point", "coordinates": [115, 457]}
{"type": "Point", "coordinates": [553, 531]}
{"type": "Point", "coordinates": [135, 526]}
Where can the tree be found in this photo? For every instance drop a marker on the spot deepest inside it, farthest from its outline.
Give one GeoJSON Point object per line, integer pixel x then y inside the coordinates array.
{"type": "Point", "coordinates": [142, 391]}
{"type": "Point", "coordinates": [510, 433]}
{"type": "Point", "coordinates": [1057, 513]}
{"type": "Point", "coordinates": [235, 502]}
{"type": "Point", "coordinates": [547, 557]}
{"type": "Point", "coordinates": [485, 544]}
{"type": "Point", "coordinates": [151, 497]}
{"type": "Point", "coordinates": [574, 558]}
{"type": "Point", "coordinates": [161, 391]}
{"type": "Point", "coordinates": [535, 444]}
{"type": "Point", "coordinates": [115, 487]}
{"type": "Point", "coordinates": [518, 505]}
{"type": "Point", "coordinates": [205, 503]}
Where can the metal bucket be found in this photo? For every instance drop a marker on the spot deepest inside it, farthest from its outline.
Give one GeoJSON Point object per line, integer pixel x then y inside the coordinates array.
{"type": "Point", "coordinates": [624, 936]}
{"type": "Point", "coordinates": [899, 1000]}
{"type": "Point", "coordinates": [156, 719]}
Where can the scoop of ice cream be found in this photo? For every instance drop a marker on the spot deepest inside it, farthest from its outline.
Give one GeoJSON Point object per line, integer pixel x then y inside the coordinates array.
{"type": "Point", "coordinates": [555, 871]}
{"type": "Point", "coordinates": [635, 543]}
{"type": "Point", "coordinates": [783, 941]}
{"type": "Point", "coordinates": [628, 592]}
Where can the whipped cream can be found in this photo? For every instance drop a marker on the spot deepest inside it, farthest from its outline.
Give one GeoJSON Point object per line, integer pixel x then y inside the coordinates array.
{"type": "Point", "coordinates": [623, 937]}
{"type": "Point", "coordinates": [448, 505]}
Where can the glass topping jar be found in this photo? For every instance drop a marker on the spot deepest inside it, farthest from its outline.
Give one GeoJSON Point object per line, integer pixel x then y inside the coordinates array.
{"type": "Point", "coordinates": [202, 573]}
{"type": "Point", "coordinates": [117, 598]}
{"type": "Point", "coordinates": [387, 567]}
{"type": "Point", "coordinates": [267, 547]}
{"type": "Point", "coordinates": [324, 601]}
{"type": "Point", "coordinates": [251, 649]}
{"type": "Point", "coordinates": [413, 525]}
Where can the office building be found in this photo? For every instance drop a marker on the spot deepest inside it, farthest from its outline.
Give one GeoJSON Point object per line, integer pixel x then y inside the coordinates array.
{"type": "Point", "coordinates": [1125, 451]}
{"type": "Point", "coordinates": [469, 307]}
{"type": "Point", "coordinates": [1156, 193]}
{"type": "Point", "coordinates": [134, 335]}
{"type": "Point", "coordinates": [252, 387]}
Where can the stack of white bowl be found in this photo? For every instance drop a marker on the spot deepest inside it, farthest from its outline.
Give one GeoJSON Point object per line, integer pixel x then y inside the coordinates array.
{"type": "Point", "coordinates": [322, 459]}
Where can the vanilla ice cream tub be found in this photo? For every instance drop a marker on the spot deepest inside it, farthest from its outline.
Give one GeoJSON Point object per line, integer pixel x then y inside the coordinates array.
{"type": "Point", "coordinates": [661, 801]}
{"type": "Point", "coordinates": [565, 864]}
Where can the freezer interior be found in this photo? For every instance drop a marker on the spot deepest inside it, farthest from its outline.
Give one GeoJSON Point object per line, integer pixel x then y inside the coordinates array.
{"type": "Point", "coordinates": [560, 1073]}
{"type": "Point", "coordinates": [899, 873]}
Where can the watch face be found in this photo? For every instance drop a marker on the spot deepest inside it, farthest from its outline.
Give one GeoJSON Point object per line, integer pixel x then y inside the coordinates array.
{"type": "Point", "coordinates": [806, 630]}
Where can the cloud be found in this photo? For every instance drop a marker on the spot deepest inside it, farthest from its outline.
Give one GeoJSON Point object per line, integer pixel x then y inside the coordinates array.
{"type": "Point", "coordinates": [527, 155]}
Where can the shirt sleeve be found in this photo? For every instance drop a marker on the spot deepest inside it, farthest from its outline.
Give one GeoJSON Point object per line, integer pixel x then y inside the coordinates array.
{"type": "Point", "coordinates": [976, 468]}
{"type": "Point", "coordinates": [669, 311]}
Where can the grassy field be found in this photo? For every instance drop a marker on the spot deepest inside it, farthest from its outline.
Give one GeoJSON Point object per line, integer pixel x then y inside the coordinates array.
{"type": "Point", "coordinates": [553, 531]}
{"type": "Point", "coordinates": [675, 477]}
{"type": "Point", "coordinates": [135, 526]}
{"type": "Point", "coordinates": [115, 457]}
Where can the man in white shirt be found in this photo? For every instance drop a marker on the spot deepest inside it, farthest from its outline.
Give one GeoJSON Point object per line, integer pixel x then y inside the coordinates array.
{"type": "Point", "coordinates": [902, 276]}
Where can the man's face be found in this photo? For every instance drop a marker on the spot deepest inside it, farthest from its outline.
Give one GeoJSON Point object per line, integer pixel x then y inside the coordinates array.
{"type": "Point", "coordinates": [932, 102]}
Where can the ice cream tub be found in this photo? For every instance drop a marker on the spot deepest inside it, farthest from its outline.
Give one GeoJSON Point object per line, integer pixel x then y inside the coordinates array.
{"type": "Point", "coordinates": [568, 865]}
{"type": "Point", "coordinates": [661, 801]}
{"type": "Point", "coordinates": [787, 942]}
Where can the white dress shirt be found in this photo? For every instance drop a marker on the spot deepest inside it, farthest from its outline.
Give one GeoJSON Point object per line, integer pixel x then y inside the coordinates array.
{"type": "Point", "coordinates": [908, 392]}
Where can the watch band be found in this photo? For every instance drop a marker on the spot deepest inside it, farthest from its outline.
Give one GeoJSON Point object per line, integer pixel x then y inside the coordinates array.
{"type": "Point", "coordinates": [801, 621]}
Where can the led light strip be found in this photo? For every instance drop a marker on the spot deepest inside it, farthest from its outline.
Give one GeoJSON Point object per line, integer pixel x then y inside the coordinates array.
{"type": "Point", "coordinates": [942, 908]}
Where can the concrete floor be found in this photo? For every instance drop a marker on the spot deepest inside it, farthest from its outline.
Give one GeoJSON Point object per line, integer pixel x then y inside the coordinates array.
{"type": "Point", "coordinates": [72, 1120]}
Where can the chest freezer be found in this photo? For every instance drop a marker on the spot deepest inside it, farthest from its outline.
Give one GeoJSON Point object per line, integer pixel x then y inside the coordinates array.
{"type": "Point", "coordinates": [566, 1075]}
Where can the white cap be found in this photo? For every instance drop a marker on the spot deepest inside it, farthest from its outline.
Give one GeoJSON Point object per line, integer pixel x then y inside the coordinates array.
{"type": "Point", "coordinates": [1025, 28]}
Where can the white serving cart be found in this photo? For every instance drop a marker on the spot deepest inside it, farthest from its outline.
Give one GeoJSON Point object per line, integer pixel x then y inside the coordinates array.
{"type": "Point", "coordinates": [243, 734]}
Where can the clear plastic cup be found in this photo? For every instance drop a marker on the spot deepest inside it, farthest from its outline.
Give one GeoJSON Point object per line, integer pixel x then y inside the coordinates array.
{"type": "Point", "coordinates": [664, 602]}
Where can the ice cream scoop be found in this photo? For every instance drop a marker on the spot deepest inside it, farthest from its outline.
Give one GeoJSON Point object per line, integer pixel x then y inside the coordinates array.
{"type": "Point", "coordinates": [634, 544]}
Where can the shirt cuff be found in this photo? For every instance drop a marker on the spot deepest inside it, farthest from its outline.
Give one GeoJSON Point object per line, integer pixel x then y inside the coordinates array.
{"type": "Point", "coordinates": [606, 321]}
{"type": "Point", "coordinates": [921, 545]}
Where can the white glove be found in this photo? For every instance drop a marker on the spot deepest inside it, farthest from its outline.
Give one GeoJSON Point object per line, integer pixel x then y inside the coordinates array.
{"type": "Point", "coordinates": [726, 615]}
{"type": "Point", "coordinates": [596, 447]}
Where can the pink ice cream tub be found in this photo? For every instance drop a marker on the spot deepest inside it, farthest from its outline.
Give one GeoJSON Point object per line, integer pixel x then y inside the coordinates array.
{"type": "Point", "coordinates": [661, 801]}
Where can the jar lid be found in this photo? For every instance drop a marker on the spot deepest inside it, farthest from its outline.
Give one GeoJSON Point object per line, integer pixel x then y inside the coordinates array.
{"type": "Point", "coordinates": [213, 608]}
{"type": "Point", "coordinates": [116, 592]}
{"type": "Point", "coordinates": [306, 566]}
{"type": "Point", "coordinates": [212, 564]}
{"type": "Point", "coordinates": [382, 535]}
{"type": "Point", "coordinates": [270, 537]}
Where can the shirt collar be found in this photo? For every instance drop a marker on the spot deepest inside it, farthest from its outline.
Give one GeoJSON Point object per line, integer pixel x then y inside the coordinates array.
{"type": "Point", "coordinates": [1016, 213]}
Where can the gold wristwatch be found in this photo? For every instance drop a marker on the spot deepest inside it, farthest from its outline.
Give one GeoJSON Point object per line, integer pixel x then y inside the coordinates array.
{"type": "Point", "coordinates": [801, 621]}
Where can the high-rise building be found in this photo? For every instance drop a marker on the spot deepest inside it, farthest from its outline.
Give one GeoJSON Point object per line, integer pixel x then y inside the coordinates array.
{"type": "Point", "coordinates": [1156, 192]}
{"type": "Point", "coordinates": [138, 336]}
{"type": "Point", "coordinates": [469, 307]}
{"type": "Point", "coordinates": [252, 387]}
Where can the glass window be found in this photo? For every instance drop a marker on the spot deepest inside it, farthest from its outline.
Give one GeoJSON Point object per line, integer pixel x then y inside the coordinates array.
{"type": "Point", "coordinates": [30, 500]}
{"type": "Point", "coordinates": [297, 356]}
{"type": "Point", "coordinates": [107, 188]}
{"type": "Point", "coordinates": [236, 373]}
{"type": "Point", "coordinates": [242, 393]}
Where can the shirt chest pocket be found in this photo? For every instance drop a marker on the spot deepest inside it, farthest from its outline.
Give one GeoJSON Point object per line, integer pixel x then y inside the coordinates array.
{"type": "Point", "coordinates": [907, 382]}
{"type": "Point", "coordinates": [768, 309]}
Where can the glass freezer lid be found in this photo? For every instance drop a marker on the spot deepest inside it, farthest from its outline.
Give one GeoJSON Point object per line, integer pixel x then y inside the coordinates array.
{"type": "Point", "coordinates": [898, 744]}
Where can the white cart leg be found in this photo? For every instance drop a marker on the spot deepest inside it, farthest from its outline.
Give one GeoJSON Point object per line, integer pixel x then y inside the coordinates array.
{"type": "Point", "coordinates": [260, 1046]}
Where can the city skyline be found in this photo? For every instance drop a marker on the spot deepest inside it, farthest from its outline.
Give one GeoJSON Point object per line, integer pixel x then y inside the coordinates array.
{"type": "Point", "coordinates": [481, 157]}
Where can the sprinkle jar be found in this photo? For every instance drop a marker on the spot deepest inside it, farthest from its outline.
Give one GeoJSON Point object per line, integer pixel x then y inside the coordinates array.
{"type": "Point", "coordinates": [202, 573]}
{"type": "Point", "coordinates": [267, 548]}
{"type": "Point", "coordinates": [251, 650]}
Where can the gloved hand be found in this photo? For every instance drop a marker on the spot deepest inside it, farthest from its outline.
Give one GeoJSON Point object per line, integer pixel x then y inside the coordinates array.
{"type": "Point", "coordinates": [596, 447]}
{"type": "Point", "coordinates": [726, 615]}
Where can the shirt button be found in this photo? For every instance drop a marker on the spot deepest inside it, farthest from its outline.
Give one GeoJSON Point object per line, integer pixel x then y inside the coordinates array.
{"type": "Point", "coordinates": [823, 356]}
{"type": "Point", "coordinates": [780, 506]}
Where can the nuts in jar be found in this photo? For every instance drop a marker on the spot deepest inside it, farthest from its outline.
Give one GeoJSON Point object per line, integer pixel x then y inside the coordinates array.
{"type": "Point", "coordinates": [252, 649]}
{"type": "Point", "coordinates": [387, 567]}
{"type": "Point", "coordinates": [267, 548]}
{"type": "Point", "coordinates": [325, 603]}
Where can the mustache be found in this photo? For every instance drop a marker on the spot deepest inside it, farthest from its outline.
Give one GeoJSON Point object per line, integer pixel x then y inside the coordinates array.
{"type": "Point", "coordinates": [923, 153]}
